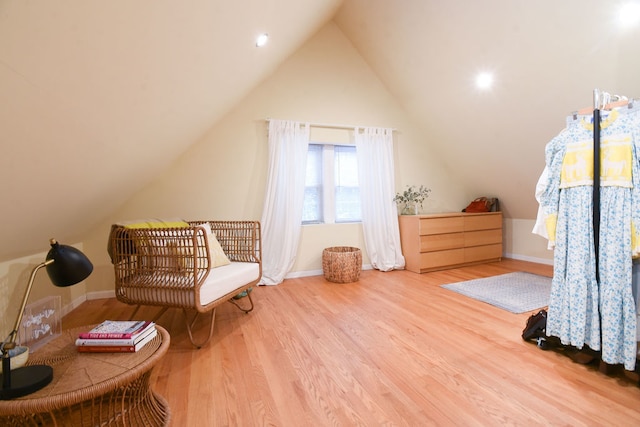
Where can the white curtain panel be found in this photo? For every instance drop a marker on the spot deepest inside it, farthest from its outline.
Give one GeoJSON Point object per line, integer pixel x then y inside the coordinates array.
{"type": "Point", "coordinates": [374, 150]}
{"type": "Point", "coordinates": [282, 212]}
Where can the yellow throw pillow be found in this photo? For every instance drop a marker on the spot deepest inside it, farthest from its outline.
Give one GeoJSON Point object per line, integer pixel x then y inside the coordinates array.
{"type": "Point", "coordinates": [182, 258]}
{"type": "Point", "coordinates": [152, 251]}
{"type": "Point", "coordinates": [155, 223]}
{"type": "Point", "coordinates": [218, 257]}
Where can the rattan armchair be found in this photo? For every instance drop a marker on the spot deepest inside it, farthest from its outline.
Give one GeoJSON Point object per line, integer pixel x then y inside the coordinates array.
{"type": "Point", "coordinates": [172, 267]}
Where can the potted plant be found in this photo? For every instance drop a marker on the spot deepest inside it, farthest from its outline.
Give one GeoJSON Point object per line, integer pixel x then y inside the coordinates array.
{"type": "Point", "coordinates": [412, 196]}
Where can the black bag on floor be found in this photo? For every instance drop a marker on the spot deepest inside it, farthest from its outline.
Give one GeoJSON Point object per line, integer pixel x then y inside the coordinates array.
{"type": "Point", "coordinates": [536, 326]}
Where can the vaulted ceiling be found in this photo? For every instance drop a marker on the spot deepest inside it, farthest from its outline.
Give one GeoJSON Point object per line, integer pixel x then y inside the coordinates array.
{"type": "Point", "coordinates": [547, 57]}
{"type": "Point", "coordinates": [98, 97]}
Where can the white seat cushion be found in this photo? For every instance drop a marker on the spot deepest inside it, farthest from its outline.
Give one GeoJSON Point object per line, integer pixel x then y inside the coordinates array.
{"type": "Point", "coordinates": [225, 279]}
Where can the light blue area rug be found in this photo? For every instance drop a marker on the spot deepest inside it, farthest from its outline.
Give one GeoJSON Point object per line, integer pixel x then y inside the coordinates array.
{"type": "Point", "coordinates": [515, 292]}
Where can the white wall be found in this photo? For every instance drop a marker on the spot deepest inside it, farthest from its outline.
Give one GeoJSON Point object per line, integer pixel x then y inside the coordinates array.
{"type": "Point", "coordinates": [520, 243]}
{"type": "Point", "coordinates": [223, 176]}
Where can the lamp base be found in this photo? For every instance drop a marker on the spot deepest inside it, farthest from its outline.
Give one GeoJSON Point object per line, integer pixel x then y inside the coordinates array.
{"type": "Point", "coordinates": [26, 380]}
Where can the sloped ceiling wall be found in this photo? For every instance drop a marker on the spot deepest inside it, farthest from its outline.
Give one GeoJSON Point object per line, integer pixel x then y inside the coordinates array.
{"type": "Point", "coordinates": [547, 57]}
{"type": "Point", "coordinates": [98, 97]}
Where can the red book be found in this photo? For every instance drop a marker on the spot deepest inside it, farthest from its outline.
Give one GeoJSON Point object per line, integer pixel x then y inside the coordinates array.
{"type": "Point", "coordinates": [117, 348]}
{"type": "Point", "coordinates": [107, 349]}
{"type": "Point", "coordinates": [117, 329]}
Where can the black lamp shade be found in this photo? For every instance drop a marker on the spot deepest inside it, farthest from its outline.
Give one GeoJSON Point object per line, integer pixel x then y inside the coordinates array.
{"type": "Point", "coordinates": [70, 266]}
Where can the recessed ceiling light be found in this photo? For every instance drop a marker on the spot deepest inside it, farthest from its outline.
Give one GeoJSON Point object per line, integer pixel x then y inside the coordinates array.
{"type": "Point", "coordinates": [629, 14]}
{"type": "Point", "coordinates": [484, 80]}
{"type": "Point", "coordinates": [262, 39]}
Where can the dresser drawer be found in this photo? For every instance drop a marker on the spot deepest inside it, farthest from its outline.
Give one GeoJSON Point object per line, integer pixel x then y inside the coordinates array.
{"type": "Point", "coordinates": [482, 237]}
{"type": "Point", "coordinates": [482, 222]}
{"type": "Point", "coordinates": [482, 253]}
{"type": "Point", "coordinates": [433, 260]}
{"type": "Point", "coordinates": [441, 225]}
{"type": "Point", "coordinates": [438, 242]}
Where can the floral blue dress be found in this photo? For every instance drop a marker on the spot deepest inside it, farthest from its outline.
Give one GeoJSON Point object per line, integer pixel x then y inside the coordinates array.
{"type": "Point", "coordinates": [599, 312]}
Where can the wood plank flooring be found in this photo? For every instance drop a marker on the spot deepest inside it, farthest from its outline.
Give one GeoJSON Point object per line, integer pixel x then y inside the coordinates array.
{"type": "Point", "coordinates": [391, 349]}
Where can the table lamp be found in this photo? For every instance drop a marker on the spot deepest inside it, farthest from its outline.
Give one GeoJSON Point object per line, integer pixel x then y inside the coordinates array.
{"type": "Point", "coordinates": [66, 266]}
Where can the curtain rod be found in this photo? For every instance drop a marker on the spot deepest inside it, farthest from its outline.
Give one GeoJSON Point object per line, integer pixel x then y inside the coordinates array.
{"type": "Point", "coordinates": [334, 125]}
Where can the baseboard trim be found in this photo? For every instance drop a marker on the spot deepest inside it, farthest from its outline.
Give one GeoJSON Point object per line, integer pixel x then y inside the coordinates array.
{"type": "Point", "coordinates": [298, 274]}
{"type": "Point", "coordinates": [86, 297]}
{"type": "Point", "coordinates": [73, 305]}
{"type": "Point", "coordinates": [101, 295]}
{"type": "Point", "coordinates": [530, 259]}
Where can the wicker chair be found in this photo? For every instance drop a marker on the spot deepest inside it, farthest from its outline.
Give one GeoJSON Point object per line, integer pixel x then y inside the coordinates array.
{"type": "Point", "coordinates": [170, 267]}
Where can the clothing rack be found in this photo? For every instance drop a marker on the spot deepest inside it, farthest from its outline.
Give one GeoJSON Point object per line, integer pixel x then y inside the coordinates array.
{"type": "Point", "coordinates": [601, 100]}
{"type": "Point", "coordinates": [576, 134]}
{"type": "Point", "coordinates": [597, 104]}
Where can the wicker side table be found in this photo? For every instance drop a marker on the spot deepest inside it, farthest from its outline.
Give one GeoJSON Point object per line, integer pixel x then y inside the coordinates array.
{"type": "Point", "coordinates": [342, 264]}
{"type": "Point", "coordinates": [92, 389]}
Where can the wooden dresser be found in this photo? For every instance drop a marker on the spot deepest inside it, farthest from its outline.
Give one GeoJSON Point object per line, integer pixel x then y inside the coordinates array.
{"type": "Point", "coordinates": [440, 241]}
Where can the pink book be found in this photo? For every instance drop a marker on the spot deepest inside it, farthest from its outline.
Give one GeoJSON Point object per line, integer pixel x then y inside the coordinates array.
{"type": "Point", "coordinates": [117, 329]}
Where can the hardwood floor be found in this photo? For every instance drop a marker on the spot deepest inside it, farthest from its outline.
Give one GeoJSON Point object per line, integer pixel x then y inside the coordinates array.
{"type": "Point", "coordinates": [392, 349]}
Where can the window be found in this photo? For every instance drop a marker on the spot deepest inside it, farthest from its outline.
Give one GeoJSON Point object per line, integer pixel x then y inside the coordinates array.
{"type": "Point", "coordinates": [347, 192]}
{"type": "Point", "coordinates": [312, 212]}
{"type": "Point", "coordinates": [332, 194]}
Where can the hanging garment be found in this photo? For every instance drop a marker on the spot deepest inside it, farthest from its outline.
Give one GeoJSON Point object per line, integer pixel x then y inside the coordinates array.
{"type": "Point", "coordinates": [539, 227]}
{"type": "Point", "coordinates": [573, 304]}
{"type": "Point", "coordinates": [582, 310]}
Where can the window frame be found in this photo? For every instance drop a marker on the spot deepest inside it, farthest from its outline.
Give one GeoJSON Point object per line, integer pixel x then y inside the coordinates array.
{"type": "Point", "coordinates": [328, 214]}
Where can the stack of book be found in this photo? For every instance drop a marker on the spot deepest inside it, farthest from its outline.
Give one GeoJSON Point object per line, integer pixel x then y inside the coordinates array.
{"type": "Point", "coordinates": [117, 336]}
